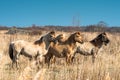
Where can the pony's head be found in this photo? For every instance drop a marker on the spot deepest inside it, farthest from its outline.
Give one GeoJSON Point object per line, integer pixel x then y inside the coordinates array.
{"type": "Point", "coordinates": [76, 37]}
{"type": "Point", "coordinates": [50, 36]}
{"type": "Point", "coordinates": [103, 38]}
{"type": "Point", "coordinates": [59, 38]}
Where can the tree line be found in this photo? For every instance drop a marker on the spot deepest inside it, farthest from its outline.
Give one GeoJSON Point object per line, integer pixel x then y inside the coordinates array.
{"type": "Point", "coordinates": [34, 29]}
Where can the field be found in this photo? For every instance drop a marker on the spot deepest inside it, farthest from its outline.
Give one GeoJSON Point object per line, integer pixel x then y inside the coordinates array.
{"type": "Point", "coordinates": [106, 66]}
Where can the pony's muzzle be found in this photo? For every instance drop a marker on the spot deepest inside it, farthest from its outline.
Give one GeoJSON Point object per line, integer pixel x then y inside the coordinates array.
{"type": "Point", "coordinates": [106, 42]}
{"type": "Point", "coordinates": [81, 41]}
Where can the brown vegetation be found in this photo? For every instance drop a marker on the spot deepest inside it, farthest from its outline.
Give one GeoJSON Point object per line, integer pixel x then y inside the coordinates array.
{"type": "Point", "coordinates": [106, 66]}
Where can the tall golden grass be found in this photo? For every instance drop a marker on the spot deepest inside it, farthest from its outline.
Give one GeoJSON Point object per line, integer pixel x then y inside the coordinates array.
{"type": "Point", "coordinates": [106, 66]}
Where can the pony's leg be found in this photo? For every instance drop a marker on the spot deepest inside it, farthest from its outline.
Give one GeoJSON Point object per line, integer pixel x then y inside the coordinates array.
{"type": "Point", "coordinates": [72, 59]}
{"type": "Point", "coordinates": [73, 56]}
{"type": "Point", "coordinates": [17, 64]}
{"type": "Point", "coordinates": [68, 59]}
{"type": "Point", "coordinates": [13, 60]}
{"type": "Point", "coordinates": [93, 59]}
{"type": "Point", "coordinates": [17, 60]}
{"type": "Point", "coordinates": [94, 54]}
{"type": "Point", "coordinates": [53, 60]}
{"type": "Point", "coordinates": [49, 58]}
{"type": "Point", "coordinates": [41, 62]}
{"type": "Point", "coordinates": [13, 64]}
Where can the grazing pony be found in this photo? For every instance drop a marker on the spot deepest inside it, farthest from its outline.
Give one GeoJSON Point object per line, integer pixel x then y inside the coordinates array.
{"type": "Point", "coordinates": [30, 49]}
{"type": "Point", "coordinates": [92, 47]}
{"type": "Point", "coordinates": [64, 49]}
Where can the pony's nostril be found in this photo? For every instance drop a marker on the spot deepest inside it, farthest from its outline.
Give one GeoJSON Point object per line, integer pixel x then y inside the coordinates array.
{"type": "Point", "coordinates": [107, 41]}
{"type": "Point", "coordinates": [82, 42]}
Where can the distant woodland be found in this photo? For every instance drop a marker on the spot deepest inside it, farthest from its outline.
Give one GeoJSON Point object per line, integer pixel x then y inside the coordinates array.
{"type": "Point", "coordinates": [34, 29]}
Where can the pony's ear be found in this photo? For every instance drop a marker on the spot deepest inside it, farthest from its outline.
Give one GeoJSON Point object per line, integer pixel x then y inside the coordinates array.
{"type": "Point", "coordinates": [104, 33]}
{"type": "Point", "coordinates": [78, 33]}
{"type": "Point", "coordinates": [52, 32]}
{"type": "Point", "coordinates": [61, 35]}
{"type": "Point", "coordinates": [41, 39]}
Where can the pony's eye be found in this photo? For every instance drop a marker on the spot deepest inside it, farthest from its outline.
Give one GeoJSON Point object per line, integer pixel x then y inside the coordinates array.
{"type": "Point", "coordinates": [50, 35]}
{"type": "Point", "coordinates": [77, 35]}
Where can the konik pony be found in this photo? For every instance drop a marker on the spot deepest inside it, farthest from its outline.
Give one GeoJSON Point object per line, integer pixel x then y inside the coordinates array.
{"type": "Point", "coordinates": [92, 47]}
{"type": "Point", "coordinates": [30, 49]}
{"type": "Point", "coordinates": [64, 49]}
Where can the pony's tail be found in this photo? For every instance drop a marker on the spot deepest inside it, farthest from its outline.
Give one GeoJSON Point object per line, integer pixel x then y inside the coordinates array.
{"type": "Point", "coordinates": [11, 51]}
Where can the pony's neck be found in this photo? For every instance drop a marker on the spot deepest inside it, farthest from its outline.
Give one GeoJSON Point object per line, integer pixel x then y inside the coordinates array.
{"type": "Point", "coordinates": [60, 41]}
{"type": "Point", "coordinates": [38, 42]}
{"type": "Point", "coordinates": [71, 43]}
{"type": "Point", "coordinates": [47, 44]}
{"type": "Point", "coordinates": [97, 43]}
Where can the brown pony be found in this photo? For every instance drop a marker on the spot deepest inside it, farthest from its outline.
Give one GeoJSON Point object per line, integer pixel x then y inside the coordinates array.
{"type": "Point", "coordinates": [41, 59]}
{"type": "Point", "coordinates": [30, 49]}
{"type": "Point", "coordinates": [58, 39]}
{"type": "Point", "coordinates": [64, 49]}
{"type": "Point", "coordinates": [92, 47]}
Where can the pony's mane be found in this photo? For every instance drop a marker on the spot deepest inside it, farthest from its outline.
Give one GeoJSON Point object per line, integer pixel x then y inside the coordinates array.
{"type": "Point", "coordinates": [71, 37]}
{"type": "Point", "coordinates": [39, 41]}
{"type": "Point", "coordinates": [99, 36]}
{"type": "Point", "coordinates": [52, 32]}
{"type": "Point", "coordinates": [97, 40]}
{"type": "Point", "coordinates": [59, 37]}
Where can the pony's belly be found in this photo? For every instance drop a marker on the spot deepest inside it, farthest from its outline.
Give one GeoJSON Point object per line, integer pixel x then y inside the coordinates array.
{"type": "Point", "coordinates": [32, 51]}
{"type": "Point", "coordinates": [58, 53]}
{"type": "Point", "coordinates": [85, 51]}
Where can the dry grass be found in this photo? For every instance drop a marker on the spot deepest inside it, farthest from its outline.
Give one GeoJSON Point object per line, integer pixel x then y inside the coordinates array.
{"type": "Point", "coordinates": [106, 67]}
